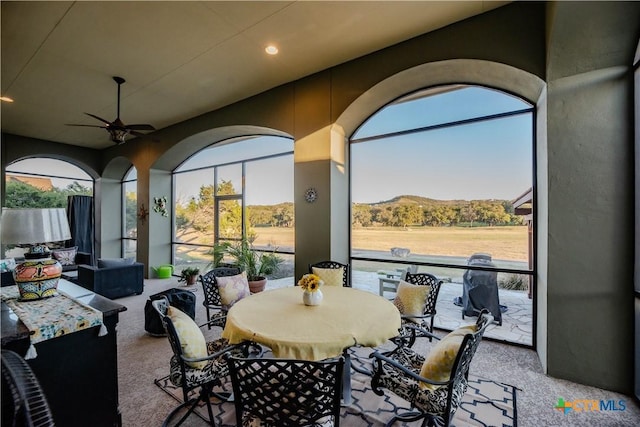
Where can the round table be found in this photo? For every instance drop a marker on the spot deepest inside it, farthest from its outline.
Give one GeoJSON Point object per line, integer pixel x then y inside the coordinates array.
{"type": "Point", "coordinates": [279, 320]}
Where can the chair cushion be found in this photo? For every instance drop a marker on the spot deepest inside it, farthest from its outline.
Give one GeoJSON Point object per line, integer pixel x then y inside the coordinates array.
{"type": "Point", "coordinates": [114, 262]}
{"type": "Point", "coordinates": [250, 420]}
{"type": "Point", "coordinates": [215, 369]}
{"type": "Point", "coordinates": [191, 339]}
{"type": "Point", "coordinates": [232, 289]}
{"type": "Point", "coordinates": [438, 363]}
{"type": "Point", "coordinates": [330, 276]}
{"type": "Point", "coordinates": [66, 256]}
{"type": "Point", "coordinates": [411, 299]}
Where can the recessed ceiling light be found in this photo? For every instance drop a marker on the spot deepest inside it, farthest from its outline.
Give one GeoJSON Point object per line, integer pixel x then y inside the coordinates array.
{"type": "Point", "coordinates": [271, 49]}
{"type": "Point", "coordinates": [6, 99]}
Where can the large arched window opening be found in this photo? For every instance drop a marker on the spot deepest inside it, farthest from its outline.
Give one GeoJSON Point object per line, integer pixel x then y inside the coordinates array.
{"type": "Point", "coordinates": [42, 182]}
{"type": "Point", "coordinates": [237, 188]}
{"type": "Point", "coordinates": [439, 175]}
{"type": "Point", "coordinates": [130, 213]}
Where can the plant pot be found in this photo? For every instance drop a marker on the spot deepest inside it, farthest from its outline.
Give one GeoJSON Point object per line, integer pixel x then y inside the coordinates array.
{"type": "Point", "coordinates": [191, 280]}
{"type": "Point", "coordinates": [257, 285]}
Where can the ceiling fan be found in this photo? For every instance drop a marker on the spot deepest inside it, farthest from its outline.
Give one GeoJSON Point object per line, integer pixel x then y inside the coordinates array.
{"type": "Point", "coordinates": [117, 129]}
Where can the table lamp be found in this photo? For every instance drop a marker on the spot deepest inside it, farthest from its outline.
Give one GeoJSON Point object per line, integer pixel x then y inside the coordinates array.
{"type": "Point", "coordinates": [37, 277]}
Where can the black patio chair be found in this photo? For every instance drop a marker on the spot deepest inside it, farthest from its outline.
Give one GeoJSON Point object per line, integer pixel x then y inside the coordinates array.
{"type": "Point", "coordinates": [216, 315]}
{"type": "Point", "coordinates": [435, 401]}
{"type": "Point", "coordinates": [189, 374]}
{"type": "Point", "coordinates": [332, 265]}
{"type": "Point", "coordinates": [286, 392]}
{"type": "Point", "coordinates": [408, 330]}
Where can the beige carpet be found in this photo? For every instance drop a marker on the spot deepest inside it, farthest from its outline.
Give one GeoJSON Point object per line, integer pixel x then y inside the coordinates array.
{"type": "Point", "coordinates": [486, 402]}
{"type": "Point", "coordinates": [142, 359]}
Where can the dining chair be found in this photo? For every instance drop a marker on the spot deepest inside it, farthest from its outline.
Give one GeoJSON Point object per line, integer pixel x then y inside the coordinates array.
{"type": "Point", "coordinates": [216, 314]}
{"type": "Point", "coordinates": [433, 385]}
{"type": "Point", "coordinates": [195, 363]}
{"type": "Point", "coordinates": [326, 270]}
{"type": "Point", "coordinates": [286, 392]}
{"type": "Point", "coordinates": [29, 404]}
{"type": "Point", "coordinates": [423, 319]}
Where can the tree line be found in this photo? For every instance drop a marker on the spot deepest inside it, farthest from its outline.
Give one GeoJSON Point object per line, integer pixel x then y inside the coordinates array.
{"type": "Point", "coordinates": [198, 212]}
{"type": "Point", "coordinates": [470, 213]}
{"type": "Point", "coordinates": [19, 194]}
{"type": "Point", "coordinates": [401, 211]}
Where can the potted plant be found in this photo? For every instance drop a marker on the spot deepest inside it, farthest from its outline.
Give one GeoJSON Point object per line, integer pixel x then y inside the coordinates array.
{"type": "Point", "coordinates": [256, 264]}
{"type": "Point", "coordinates": [189, 275]}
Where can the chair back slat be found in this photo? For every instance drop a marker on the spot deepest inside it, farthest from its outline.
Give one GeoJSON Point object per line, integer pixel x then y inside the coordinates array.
{"type": "Point", "coordinates": [334, 264]}
{"type": "Point", "coordinates": [286, 392]}
{"type": "Point", "coordinates": [426, 279]}
{"type": "Point", "coordinates": [210, 286]}
{"type": "Point", "coordinates": [460, 371]}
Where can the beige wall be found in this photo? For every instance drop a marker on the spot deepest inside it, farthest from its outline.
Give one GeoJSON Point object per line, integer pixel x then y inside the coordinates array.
{"type": "Point", "coordinates": [585, 188]}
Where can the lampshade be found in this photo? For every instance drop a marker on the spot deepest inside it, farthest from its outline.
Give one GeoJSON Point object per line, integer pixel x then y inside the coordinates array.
{"type": "Point", "coordinates": [32, 226]}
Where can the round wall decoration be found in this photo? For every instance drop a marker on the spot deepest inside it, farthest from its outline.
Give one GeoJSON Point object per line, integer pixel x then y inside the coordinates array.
{"type": "Point", "coordinates": [310, 195]}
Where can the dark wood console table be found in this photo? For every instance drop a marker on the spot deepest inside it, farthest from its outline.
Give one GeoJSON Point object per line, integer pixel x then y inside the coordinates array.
{"type": "Point", "coordinates": [78, 371]}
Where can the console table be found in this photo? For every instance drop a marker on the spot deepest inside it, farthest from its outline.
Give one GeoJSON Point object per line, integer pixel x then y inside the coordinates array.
{"type": "Point", "coordinates": [78, 371]}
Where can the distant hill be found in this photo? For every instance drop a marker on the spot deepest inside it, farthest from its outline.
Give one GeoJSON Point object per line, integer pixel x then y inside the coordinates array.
{"type": "Point", "coordinates": [423, 201]}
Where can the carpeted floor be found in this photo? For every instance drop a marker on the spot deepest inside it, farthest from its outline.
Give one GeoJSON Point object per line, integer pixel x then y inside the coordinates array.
{"type": "Point", "coordinates": [143, 358]}
{"type": "Point", "coordinates": [486, 402]}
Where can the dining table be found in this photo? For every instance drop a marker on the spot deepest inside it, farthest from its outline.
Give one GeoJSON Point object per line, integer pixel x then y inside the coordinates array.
{"type": "Point", "coordinates": [346, 317]}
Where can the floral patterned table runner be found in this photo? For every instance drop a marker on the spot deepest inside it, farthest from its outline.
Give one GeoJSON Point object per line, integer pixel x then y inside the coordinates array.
{"type": "Point", "coordinates": [51, 317]}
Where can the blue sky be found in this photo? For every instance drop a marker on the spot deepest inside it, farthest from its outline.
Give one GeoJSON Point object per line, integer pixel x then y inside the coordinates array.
{"type": "Point", "coordinates": [485, 160]}
{"type": "Point", "coordinates": [490, 159]}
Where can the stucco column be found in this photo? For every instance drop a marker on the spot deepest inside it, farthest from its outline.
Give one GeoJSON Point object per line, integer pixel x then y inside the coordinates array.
{"type": "Point", "coordinates": [322, 227]}
{"type": "Point", "coordinates": [589, 303]}
{"type": "Point", "coordinates": [157, 229]}
{"type": "Point", "coordinates": [108, 218]}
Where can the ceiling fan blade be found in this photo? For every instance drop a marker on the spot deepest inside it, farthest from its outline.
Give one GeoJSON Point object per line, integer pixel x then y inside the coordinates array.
{"type": "Point", "coordinates": [140, 127]}
{"type": "Point", "coordinates": [106, 122]}
{"type": "Point", "coordinates": [89, 126]}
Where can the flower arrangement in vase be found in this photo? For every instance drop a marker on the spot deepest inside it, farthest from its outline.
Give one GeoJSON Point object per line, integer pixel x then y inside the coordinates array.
{"type": "Point", "coordinates": [310, 284]}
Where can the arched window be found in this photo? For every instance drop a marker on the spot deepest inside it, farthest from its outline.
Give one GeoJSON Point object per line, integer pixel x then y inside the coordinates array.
{"type": "Point", "coordinates": [241, 187]}
{"type": "Point", "coordinates": [44, 183]}
{"type": "Point", "coordinates": [438, 176]}
{"type": "Point", "coordinates": [130, 213]}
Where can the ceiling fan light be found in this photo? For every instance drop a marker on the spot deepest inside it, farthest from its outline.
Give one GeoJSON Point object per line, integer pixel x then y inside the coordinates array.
{"type": "Point", "coordinates": [118, 135]}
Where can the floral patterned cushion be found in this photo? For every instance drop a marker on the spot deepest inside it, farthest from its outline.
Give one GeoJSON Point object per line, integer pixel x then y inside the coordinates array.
{"type": "Point", "coordinates": [232, 289]}
{"type": "Point", "coordinates": [191, 339]}
{"type": "Point", "coordinates": [438, 363]}
{"type": "Point", "coordinates": [250, 420]}
{"type": "Point", "coordinates": [411, 299]}
{"type": "Point", "coordinates": [330, 276]}
{"type": "Point", "coordinates": [425, 399]}
{"type": "Point", "coordinates": [66, 256]}
{"type": "Point", "coordinates": [213, 369]}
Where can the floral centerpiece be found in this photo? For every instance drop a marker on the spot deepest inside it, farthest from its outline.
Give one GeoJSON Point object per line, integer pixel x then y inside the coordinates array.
{"type": "Point", "coordinates": [310, 284]}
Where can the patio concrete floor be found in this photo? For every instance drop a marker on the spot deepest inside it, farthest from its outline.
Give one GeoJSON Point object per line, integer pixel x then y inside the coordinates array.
{"type": "Point", "coordinates": [517, 320]}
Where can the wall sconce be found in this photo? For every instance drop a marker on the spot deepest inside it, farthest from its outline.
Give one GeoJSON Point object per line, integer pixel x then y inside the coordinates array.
{"type": "Point", "coordinates": [142, 214]}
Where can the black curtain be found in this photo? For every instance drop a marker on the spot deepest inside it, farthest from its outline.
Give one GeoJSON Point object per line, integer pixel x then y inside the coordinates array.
{"type": "Point", "coordinates": [80, 215]}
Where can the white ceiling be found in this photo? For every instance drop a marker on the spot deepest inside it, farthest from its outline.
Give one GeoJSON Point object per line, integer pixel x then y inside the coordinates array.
{"type": "Point", "coordinates": [182, 59]}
